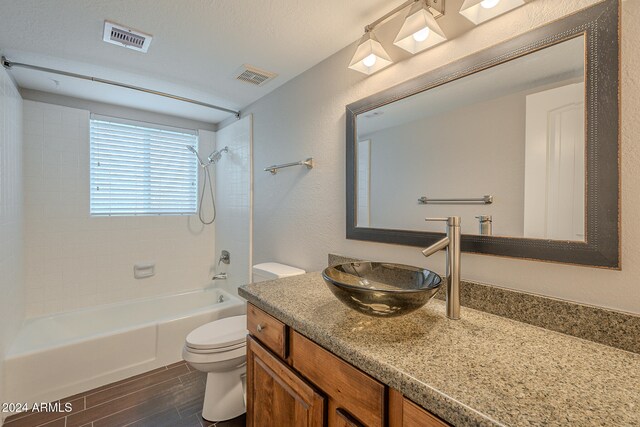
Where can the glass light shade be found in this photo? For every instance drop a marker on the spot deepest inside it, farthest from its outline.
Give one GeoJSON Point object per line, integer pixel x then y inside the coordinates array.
{"type": "Point", "coordinates": [370, 56]}
{"type": "Point", "coordinates": [479, 11]}
{"type": "Point", "coordinates": [419, 21]}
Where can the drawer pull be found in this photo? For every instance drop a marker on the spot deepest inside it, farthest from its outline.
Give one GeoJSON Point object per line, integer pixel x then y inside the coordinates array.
{"type": "Point", "coordinates": [269, 330]}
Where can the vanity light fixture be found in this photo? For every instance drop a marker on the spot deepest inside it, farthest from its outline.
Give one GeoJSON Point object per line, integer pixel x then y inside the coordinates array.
{"type": "Point", "coordinates": [370, 56]}
{"type": "Point", "coordinates": [420, 30]}
{"type": "Point", "coordinates": [479, 11]}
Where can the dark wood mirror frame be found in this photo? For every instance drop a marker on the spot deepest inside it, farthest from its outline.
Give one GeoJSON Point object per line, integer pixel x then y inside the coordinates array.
{"type": "Point", "coordinates": [600, 25]}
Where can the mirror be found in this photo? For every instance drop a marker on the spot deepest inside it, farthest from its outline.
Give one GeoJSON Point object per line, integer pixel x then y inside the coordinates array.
{"type": "Point", "coordinates": [514, 132]}
{"type": "Point", "coordinates": [505, 139]}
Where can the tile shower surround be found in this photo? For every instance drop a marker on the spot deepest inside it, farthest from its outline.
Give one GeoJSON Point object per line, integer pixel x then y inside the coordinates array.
{"type": "Point", "coordinates": [74, 260]}
{"type": "Point", "coordinates": [233, 184]}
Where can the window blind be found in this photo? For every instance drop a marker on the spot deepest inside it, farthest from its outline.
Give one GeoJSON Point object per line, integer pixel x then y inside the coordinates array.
{"type": "Point", "coordinates": [140, 170]}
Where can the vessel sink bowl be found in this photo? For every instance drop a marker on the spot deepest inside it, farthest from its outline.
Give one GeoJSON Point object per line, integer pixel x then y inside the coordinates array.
{"type": "Point", "coordinates": [382, 289]}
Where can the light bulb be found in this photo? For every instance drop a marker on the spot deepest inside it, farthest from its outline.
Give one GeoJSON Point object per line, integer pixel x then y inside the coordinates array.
{"type": "Point", "coordinates": [421, 35]}
{"type": "Point", "coordinates": [489, 4]}
{"type": "Point", "coordinates": [370, 60]}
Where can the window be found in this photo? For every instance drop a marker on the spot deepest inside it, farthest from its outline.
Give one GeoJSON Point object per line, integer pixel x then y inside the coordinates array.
{"type": "Point", "coordinates": [141, 170]}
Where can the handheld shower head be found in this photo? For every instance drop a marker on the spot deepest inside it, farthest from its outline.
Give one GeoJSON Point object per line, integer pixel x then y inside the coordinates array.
{"type": "Point", "coordinates": [193, 150]}
{"type": "Point", "coordinates": [212, 159]}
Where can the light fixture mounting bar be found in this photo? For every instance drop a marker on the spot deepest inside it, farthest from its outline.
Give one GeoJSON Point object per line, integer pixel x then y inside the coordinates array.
{"type": "Point", "coordinates": [436, 6]}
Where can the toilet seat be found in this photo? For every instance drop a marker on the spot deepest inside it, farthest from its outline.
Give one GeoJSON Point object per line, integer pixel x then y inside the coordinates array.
{"type": "Point", "coordinates": [190, 349]}
{"type": "Point", "coordinates": [217, 360]}
{"type": "Point", "coordinates": [219, 336]}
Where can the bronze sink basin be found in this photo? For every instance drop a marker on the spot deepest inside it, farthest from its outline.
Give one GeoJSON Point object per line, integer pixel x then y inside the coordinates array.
{"type": "Point", "coordinates": [382, 289]}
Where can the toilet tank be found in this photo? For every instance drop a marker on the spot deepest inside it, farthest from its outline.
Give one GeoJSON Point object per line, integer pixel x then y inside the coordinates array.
{"type": "Point", "coordinates": [274, 270]}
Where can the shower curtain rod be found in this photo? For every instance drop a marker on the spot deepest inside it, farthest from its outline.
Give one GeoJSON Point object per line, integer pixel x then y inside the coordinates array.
{"type": "Point", "coordinates": [10, 64]}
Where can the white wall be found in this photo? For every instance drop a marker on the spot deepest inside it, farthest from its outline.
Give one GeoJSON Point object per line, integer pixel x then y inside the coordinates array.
{"type": "Point", "coordinates": [456, 154]}
{"type": "Point", "coordinates": [74, 260]}
{"type": "Point", "coordinates": [233, 200]}
{"type": "Point", "coordinates": [113, 110]}
{"type": "Point", "coordinates": [300, 214]}
{"type": "Point", "coordinates": [11, 218]}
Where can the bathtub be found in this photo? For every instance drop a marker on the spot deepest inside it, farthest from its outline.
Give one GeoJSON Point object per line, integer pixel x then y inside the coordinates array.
{"type": "Point", "coordinates": [64, 354]}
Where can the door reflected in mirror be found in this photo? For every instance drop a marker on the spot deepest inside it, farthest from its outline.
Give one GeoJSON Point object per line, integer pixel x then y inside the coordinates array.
{"type": "Point", "coordinates": [515, 132]}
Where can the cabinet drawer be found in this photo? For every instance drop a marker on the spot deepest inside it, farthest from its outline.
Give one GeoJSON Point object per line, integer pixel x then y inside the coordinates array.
{"type": "Point", "coordinates": [268, 330]}
{"type": "Point", "coordinates": [351, 389]}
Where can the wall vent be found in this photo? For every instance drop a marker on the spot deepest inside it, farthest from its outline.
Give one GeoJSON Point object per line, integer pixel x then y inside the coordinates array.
{"type": "Point", "coordinates": [126, 37]}
{"type": "Point", "coordinates": [253, 75]}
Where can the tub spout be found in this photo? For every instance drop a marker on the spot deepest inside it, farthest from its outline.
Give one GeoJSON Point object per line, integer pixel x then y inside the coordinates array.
{"type": "Point", "coordinates": [220, 276]}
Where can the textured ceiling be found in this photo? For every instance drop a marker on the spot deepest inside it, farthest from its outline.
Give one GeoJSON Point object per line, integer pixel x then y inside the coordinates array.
{"type": "Point", "coordinates": [197, 46]}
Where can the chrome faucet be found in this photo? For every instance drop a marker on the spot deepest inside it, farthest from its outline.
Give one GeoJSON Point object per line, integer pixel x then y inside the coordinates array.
{"type": "Point", "coordinates": [452, 243]}
{"type": "Point", "coordinates": [225, 257]}
{"type": "Point", "coordinates": [220, 276]}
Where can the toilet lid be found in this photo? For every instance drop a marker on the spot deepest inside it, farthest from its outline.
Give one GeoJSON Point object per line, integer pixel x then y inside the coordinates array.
{"type": "Point", "coordinates": [226, 332]}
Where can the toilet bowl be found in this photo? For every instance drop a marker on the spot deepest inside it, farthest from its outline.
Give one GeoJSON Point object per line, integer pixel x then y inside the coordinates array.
{"type": "Point", "coordinates": [219, 349]}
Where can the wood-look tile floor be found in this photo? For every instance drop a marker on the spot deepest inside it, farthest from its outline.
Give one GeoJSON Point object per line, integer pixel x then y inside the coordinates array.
{"type": "Point", "coordinates": [165, 397]}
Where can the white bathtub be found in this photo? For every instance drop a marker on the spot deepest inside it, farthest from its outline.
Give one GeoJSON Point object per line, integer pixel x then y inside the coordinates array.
{"type": "Point", "coordinates": [61, 355]}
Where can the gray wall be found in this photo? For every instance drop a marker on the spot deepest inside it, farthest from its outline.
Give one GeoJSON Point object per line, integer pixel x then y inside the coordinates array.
{"type": "Point", "coordinates": [415, 159]}
{"type": "Point", "coordinates": [300, 214]}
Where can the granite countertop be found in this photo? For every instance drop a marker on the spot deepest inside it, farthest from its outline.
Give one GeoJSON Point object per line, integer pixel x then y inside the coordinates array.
{"type": "Point", "coordinates": [482, 370]}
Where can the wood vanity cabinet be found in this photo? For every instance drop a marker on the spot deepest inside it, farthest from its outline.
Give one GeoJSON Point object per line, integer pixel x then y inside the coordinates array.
{"type": "Point", "coordinates": [276, 396]}
{"type": "Point", "coordinates": [405, 413]}
{"type": "Point", "coordinates": [354, 398]}
{"type": "Point", "coordinates": [269, 330]}
{"type": "Point", "coordinates": [292, 381]}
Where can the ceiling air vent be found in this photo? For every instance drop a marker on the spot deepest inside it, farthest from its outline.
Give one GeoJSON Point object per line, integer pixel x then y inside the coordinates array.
{"type": "Point", "coordinates": [126, 37]}
{"type": "Point", "coordinates": [255, 76]}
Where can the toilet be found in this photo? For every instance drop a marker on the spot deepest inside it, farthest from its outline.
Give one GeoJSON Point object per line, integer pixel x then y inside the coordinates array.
{"type": "Point", "coordinates": [273, 270]}
{"type": "Point", "coordinates": [219, 348]}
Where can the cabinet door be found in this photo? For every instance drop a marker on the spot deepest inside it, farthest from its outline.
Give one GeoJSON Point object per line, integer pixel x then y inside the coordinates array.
{"type": "Point", "coordinates": [277, 396]}
{"type": "Point", "coordinates": [415, 416]}
{"type": "Point", "coordinates": [344, 419]}
{"type": "Point", "coordinates": [405, 413]}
